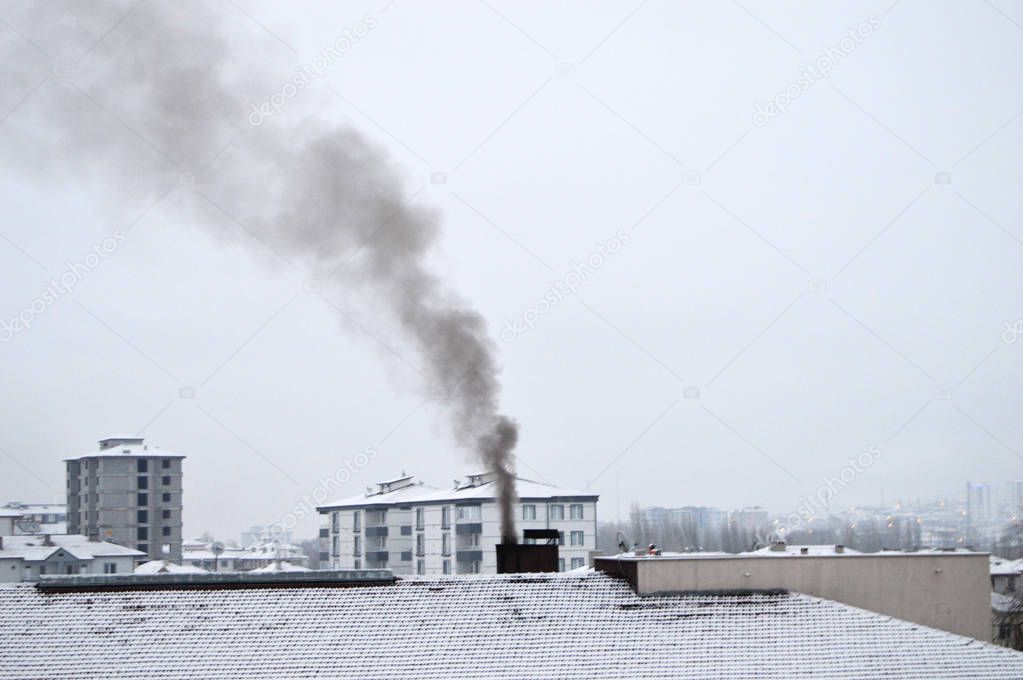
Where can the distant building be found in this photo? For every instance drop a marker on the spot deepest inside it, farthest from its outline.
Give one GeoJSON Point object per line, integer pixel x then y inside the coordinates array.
{"type": "Point", "coordinates": [27, 558]}
{"type": "Point", "coordinates": [414, 529]}
{"type": "Point", "coordinates": [129, 493]}
{"type": "Point", "coordinates": [39, 518]}
{"type": "Point", "coordinates": [262, 533]}
{"type": "Point", "coordinates": [199, 553]}
{"type": "Point", "coordinates": [979, 504]}
{"type": "Point", "coordinates": [750, 519]}
{"type": "Point", "coordinates": [1015, 497]}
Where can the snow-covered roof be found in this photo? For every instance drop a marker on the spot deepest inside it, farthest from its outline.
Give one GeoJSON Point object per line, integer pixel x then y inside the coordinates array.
{"type": "Point", "coordinates": [536, 626]}
{"type": "Point", "coordinates": [1002, 603]}
{"type": "Point", "coordinates": [526, 489]}
{"type": "Point", "coordinates": [816, 550]}
{"type": "Point", "coordinates": [167, 567]}
{"type": "Point", "coordinates": [33, 548]}
{"type": "Point", "coordinates": [1003, 567]}
{"type": "Point", "coordinates": [275, 567]}
{"type": "Point", "coordinates": [115, 447]}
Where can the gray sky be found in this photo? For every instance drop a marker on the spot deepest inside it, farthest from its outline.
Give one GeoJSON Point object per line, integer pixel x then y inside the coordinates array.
{"type": "Point", "coordinates": [807, 276]}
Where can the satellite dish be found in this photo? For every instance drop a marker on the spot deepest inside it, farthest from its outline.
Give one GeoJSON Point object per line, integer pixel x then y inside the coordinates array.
{"type": "Point", "coordinates": [217, 548]}
{"type": "Point", "coordinates": [623, 542]}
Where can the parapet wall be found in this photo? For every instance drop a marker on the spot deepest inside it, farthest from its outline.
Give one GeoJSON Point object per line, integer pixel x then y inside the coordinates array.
{"type": "Point", "coordinates": [948, 591]}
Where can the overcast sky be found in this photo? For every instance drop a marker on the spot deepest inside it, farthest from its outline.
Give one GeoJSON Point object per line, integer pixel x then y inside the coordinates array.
{"type": "Point", "coordinates": [795, 287]}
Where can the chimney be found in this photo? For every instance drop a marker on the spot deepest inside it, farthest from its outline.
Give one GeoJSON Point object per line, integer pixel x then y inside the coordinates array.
{"type": "Point", "coordinates": [525, 558]}
{"type": "Point", "coordinates": [804, 551]}
{"type": "Point", "coordinates": [46, 540]}
{"type": "Point", "coordinates": [839, 548]}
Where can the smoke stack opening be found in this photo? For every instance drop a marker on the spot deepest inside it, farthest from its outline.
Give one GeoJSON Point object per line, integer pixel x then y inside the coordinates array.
{"type": "Point", "coordinates": [529, 558]}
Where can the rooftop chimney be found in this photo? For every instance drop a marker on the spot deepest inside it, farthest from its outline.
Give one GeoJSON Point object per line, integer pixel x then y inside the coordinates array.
{"type": "Point", "coordinates": [839, 548]}
{"type": "Point", "coordinates": [525, 558]}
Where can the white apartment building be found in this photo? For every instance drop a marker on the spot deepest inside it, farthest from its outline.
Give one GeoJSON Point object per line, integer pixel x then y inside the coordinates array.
{"type": "Point", "coordinates": [412, 528]}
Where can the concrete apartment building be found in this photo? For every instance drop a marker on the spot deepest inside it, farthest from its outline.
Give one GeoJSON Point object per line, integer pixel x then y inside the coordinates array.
{"type": "Point", "coordinates": [128, 493]}
{"type": "Point", "coordinates": [411, 528]}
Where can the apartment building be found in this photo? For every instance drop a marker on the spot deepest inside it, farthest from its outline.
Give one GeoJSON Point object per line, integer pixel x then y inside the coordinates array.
{"type": "Point", "coordinates": [129, 493]}
{"type": "Point", "coordinates": [412, 528]}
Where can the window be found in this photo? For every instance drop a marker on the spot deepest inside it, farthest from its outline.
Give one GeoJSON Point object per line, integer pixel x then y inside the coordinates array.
{"type": "Point", "coordinates": [406, 530]}
{"type": "Point", "coordinates": [335, 521]}
{"type": "Point", "coordinates": [357, 546]}
{"type": "Point", "coordinates": [142, 499]}
{"type": "Point", "coordinates": [578, 563]}
{"type": "Point", "coordinates": [143, 482]}
{"type": "Point", "coordinates": [165, 531]}
{"type": "Point", "coordinates": [357, 520]}
{"type": "Point", "coordinates": [445, 517]}
{"type": "Point", "coordinates": [143, 516]}
{"type": "Point", "coordinates": [420, 519]}
{"type": "Point", "coordinates": [166, 514]}
{"type": "Point", "coordinates": [576, 511]}
{"type": "Point", "coordinates": [143, 533]}
{"type": "Point", "coordinates": [110, 568]}
{"type": "Point", "coordinates": [561, 564]}
{"type": "Point", "coordinates": [420, 544]}
{"type": "Point", "coordinates": [446, 567]}
{"type": "Point", "coordinates": [445, 544]}
{"type": "Point", "coordinates": [420, 567]}
{"type": "Point", "coordinates": [144, 547]}
{"type": "Point", "coordinates": [165, 463]}
{"type": "Point", "coordinates": [358, 564]}
{"type": "Point", "coordinates": [142, 465]}
{"type": "Point", "coordinates": [469, 513]}
{"type": "Point", "coordinates": [166, 498]}
{"type": "Point", "coordinates": [42, 569]}
{"type": "Point", "coordinates": [528, 512]}
{"type": "Point", "coordinates": [165, 480]}
{"type": "Point", "coordinates": [561, 538]}
{"type": "Point", "coordinates": [576, 538]}
{"type": "Point", "coordinates": [557, 512]}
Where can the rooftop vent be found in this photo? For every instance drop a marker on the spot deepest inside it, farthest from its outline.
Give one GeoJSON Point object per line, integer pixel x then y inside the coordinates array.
{"type": "Point", "coordinates": [804, 551]}
{"type": "Point", "coordinates": [840, 549]}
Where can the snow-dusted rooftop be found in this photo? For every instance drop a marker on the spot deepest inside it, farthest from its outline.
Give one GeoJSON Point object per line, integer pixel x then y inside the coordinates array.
{"type": "Point", "coordinates": [483, 489]}
{"type": "Point", "coordinates": [34, 548]}
{"type": "Point", "coordinates": [125, 445]}
{"type": "Point", "coordinates": [531, 626]}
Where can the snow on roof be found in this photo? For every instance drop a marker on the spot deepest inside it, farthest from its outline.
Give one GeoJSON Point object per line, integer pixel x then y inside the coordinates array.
{"type": "Point", "coordinates": [131, 446]}
{"type": "Point", "coordinates": [1003, 567]}
{"type": "Point", "coordinates": [418, 493]}
{"type": "Point", "coordinates": [275, 567]}
{"type": "Point", "coordinates": [33, 548]}
{"type": "Point", "coordinates": [510, 626]}
{"type": "Point", "coordinates": [817, 550]}
{"type": "Point", "coordinates": [10, 512]}
{"type": "Point", "coordinates": [167, 567]}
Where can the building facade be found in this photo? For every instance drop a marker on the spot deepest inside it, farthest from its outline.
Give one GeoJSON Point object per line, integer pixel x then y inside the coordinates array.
{"type": "Point", "coordinates": [128, 493]}
{"type": "Point", "coordinates": [411, 528]}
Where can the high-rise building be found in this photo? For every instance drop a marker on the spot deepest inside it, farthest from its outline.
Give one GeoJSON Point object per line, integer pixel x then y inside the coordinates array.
{"type": "Point", "coordinates": [128, 493]}
{"type": "Point", "coordinates": [979, 506]}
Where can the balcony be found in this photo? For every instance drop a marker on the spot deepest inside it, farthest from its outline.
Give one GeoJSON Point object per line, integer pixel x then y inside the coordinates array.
{"type": "Point", "coordinates": [376, 531]}
{"type": "Point", "coordinates": [377, 555]}
{"type": "Point", "coordinates": [469, 528]}
{"type": "Point", "coordinates": [469, 556]}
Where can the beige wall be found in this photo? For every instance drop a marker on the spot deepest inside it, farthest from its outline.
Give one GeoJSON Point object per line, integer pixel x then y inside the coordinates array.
{"type": "Point", "coordinates": [946, 591]}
